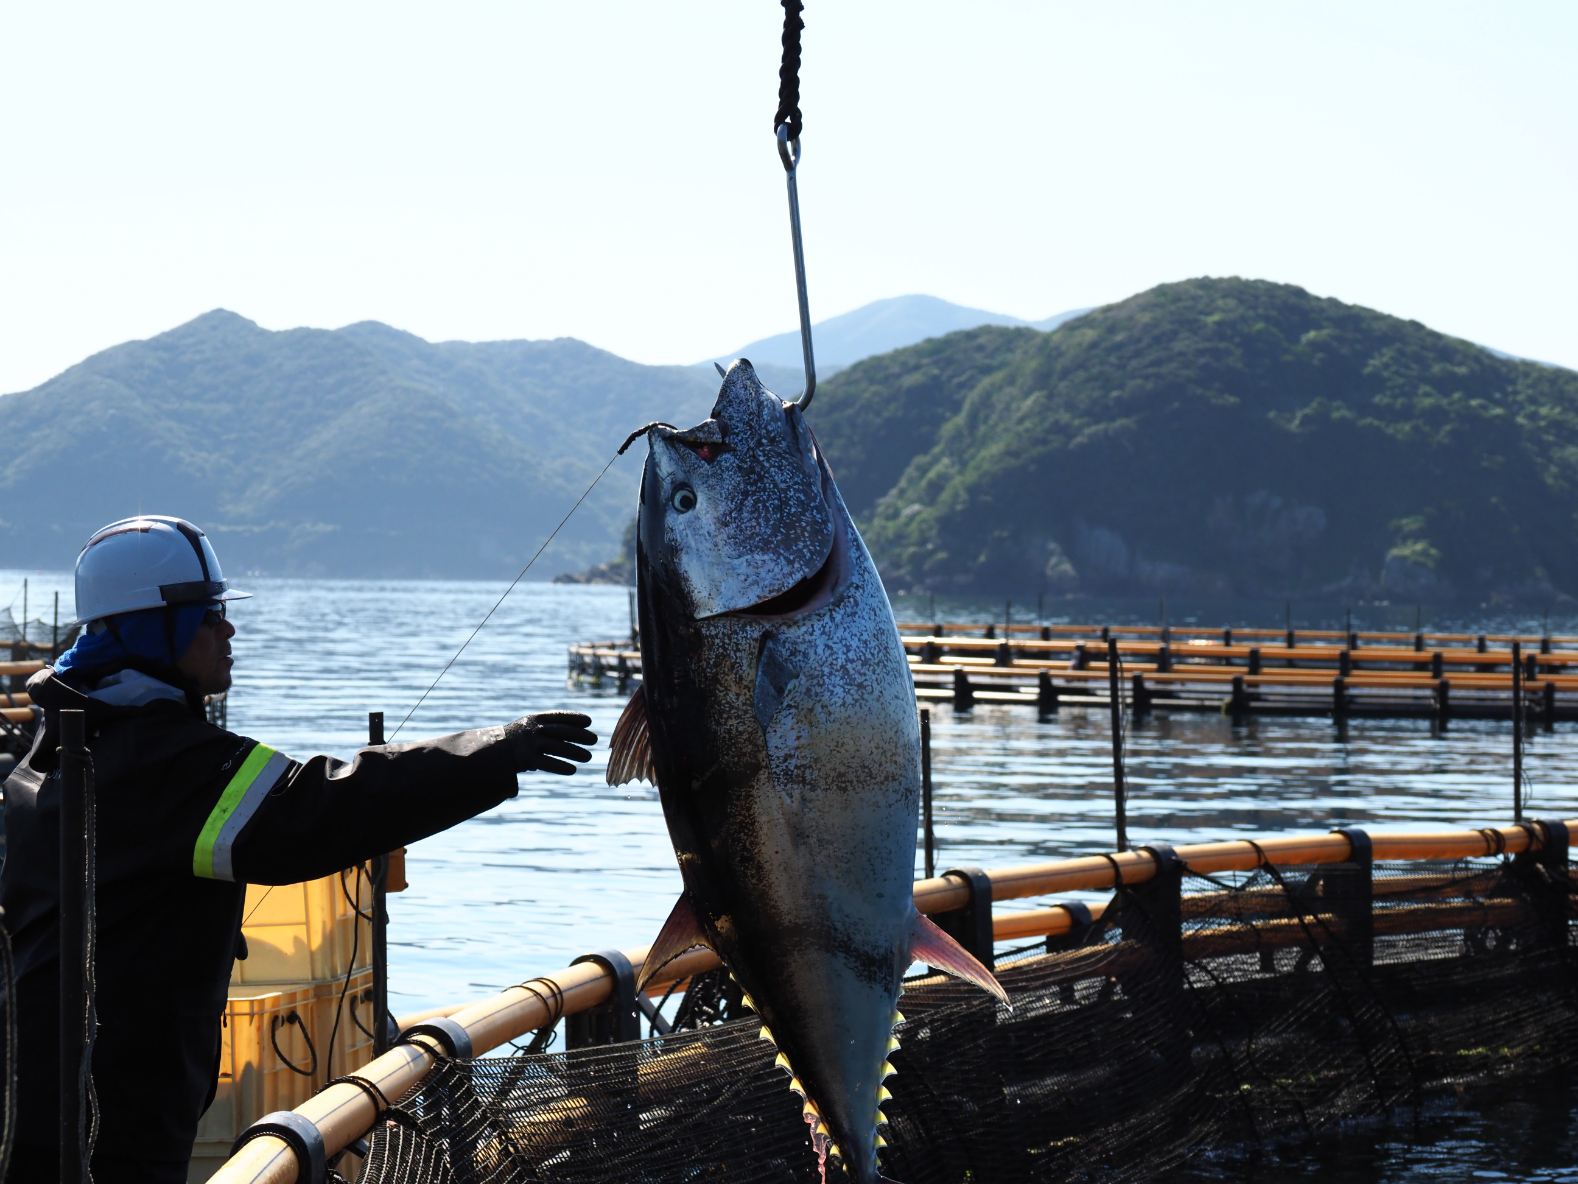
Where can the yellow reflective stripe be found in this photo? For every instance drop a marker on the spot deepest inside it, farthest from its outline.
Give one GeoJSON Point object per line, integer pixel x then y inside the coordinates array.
{"type": "Point", "coordinates": [236, 805]}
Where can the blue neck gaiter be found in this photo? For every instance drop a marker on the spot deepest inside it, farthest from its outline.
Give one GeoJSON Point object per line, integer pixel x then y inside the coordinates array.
{"type": "Point", "coordinates": [134, 635]}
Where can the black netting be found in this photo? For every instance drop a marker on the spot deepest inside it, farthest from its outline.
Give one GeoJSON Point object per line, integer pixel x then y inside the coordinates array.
{"type": "Point", "coordinates": [1199, 1020]}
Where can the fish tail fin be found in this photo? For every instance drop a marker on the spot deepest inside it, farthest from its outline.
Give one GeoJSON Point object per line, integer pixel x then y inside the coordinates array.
{"type": "Point", "coordinates": [934, 947]}
{"type": "Point", "coordinates": [682, 931]}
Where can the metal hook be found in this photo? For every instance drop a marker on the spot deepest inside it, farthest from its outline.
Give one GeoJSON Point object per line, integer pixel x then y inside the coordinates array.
{"type": "Point", "coordinates": [788, 150]}
{"type": "Point", "coordinates": [789, 153]}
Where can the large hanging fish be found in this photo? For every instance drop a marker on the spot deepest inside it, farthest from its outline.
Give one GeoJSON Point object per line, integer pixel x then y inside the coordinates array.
{"type": "Point", "coordinates": [777, 718]}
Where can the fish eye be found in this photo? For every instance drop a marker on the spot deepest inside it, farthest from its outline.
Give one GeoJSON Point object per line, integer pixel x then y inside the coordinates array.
{"type": "Point", "coordinates": [683, 499]}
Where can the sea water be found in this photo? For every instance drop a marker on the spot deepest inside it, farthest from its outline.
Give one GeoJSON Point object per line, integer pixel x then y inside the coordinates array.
{"type": "Point", "coordinates": [571, 865]}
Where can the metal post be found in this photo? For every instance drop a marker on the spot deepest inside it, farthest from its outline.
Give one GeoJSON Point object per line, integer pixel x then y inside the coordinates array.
{"type": "Point", "coordinates": [1115, 699]}
{"type": "Point", "coordinates": [928, 835]}
{"type": "Point", "coordinates": [76, 944]}
{"type": "Point", "coordinates": [381, 1041]}
{"type": "Point", "coordinates": [1517, 733]}
{"type": "Point", "coordinates": [24, 610]}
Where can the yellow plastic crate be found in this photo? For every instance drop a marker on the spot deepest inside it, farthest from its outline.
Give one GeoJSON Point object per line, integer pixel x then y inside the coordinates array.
{"type": "Point", "coordinates": [298, 933]}
{"type": "Point", "coordinates": [259, 1037]}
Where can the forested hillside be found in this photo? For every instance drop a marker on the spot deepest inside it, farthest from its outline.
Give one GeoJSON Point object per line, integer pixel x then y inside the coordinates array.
{"type": "Point", "coordinates": [1211, 437]}
{"type": "Point", "coordinates": [361, 451]}
{"type": "Point", "coordinates": [1216, 437]}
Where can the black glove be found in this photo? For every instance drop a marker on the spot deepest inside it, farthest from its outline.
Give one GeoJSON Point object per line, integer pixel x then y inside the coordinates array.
{"type": "Point", "coordinates": [559, 733]}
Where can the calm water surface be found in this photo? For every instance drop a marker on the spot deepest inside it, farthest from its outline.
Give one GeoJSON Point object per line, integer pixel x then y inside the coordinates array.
{"type": "Point", "coordinates": [571, 865]}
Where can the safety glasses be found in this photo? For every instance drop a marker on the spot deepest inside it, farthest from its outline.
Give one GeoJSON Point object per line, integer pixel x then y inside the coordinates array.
{"type": "Point", "coordinates": [215, 617]}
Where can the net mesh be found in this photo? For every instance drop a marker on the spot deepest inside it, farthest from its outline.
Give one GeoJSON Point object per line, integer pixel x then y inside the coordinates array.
{"type": "Point", "coordinates": [1199, 1020]}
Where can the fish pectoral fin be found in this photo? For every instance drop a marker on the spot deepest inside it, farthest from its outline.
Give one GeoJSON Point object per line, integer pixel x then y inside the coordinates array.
{"type": "Point", "coordinates": [935, 948]}
{"type": "Point", "coordinates": [630, 747]}
{"type": "Point", "coordinates": [681, 932]}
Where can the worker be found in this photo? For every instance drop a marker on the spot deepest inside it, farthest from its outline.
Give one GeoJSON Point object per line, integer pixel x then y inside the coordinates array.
{"type": "Point", "coordinates": [188, 815]}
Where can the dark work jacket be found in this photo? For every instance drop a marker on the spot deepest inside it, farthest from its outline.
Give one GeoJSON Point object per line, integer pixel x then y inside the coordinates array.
{"type": "Point", "coordinates": [168, 928]}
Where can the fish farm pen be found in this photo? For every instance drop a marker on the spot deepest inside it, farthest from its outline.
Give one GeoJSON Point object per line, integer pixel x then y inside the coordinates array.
{"type": "Point", "coordinates": [1230, 999]}
{"type": "Point", "coordinates": [1235, 672]}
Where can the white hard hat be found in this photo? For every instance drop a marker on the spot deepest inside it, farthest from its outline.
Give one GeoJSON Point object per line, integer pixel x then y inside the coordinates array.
{"type": "Point", "coordinates": [147, 562]}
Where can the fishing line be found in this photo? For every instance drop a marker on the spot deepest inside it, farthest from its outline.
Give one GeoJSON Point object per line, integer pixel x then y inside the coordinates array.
{"type": "Point", "coordinates": [517, 580]}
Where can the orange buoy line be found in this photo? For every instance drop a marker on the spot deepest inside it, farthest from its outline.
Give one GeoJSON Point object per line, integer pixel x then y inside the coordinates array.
{"type": "Point", "coordinates": [343, 1113]}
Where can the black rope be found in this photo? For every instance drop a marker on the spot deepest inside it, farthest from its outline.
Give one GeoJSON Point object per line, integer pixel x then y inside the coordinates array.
{"type": "Point", "coordinates": [376, 1096]}
{"type": "Point", "coordinates": [522, 575]}
{"type": "Point", "coordinates": [273, 1038]}
{"type": "Point", "coordinates": [788, 114]}
{"type": "Point", "coordinates": [554, 1002]}
{"type": "Point", "coordinates": [356, 936]}
{"type": "Point", "coordinates": [90, 938]}
{"type": "Point", "coordinates": [346, 892]}
{"type": "Point", "coordinates": [9, 1085]}
{"type": "Point", "coordinates": [1495, 841]}
{"type": "Point", "coordinates": [365, 997]}
{"type": "Point", "coordinates": [663, 1002]}
{"type": "Point", "coordinates": [1319, 950]}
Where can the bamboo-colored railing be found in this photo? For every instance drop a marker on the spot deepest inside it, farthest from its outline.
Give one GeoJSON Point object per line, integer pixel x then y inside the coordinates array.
{"type": "Point", "coordinates": [343, 1113]}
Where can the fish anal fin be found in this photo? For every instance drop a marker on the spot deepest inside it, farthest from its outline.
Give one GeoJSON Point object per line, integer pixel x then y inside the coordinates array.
{"type": "Point", "coordinates": [935, 948]}
{"type": "Point", "coordinates": [630, 747]}
{"type": "Point", "coordinates": [681, 932]}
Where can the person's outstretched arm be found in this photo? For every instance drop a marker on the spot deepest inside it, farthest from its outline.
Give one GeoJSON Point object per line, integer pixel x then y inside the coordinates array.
{"type": "Point", "coordinates": [280, 821]}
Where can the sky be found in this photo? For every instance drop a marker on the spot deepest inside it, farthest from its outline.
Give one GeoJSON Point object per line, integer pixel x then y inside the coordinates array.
{"type": "Point", "coordinates": [478, 170]}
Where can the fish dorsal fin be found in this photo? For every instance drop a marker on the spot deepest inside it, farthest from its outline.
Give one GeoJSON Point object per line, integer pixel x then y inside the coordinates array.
{"type": "Point", "coordinates": [935, 948]}
{"type": "Point", "coordinates": [681, 932]}
{"type": "Point", "coordinates": [630, 748]}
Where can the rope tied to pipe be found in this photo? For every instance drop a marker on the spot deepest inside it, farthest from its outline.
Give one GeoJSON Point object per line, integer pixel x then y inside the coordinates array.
{"type": "Point", "coordinates": [555, 1005]}
{"type": "Point", "coordinates": [1495, 841]}
{"type": "Point", "coordinates": [380, 1101]}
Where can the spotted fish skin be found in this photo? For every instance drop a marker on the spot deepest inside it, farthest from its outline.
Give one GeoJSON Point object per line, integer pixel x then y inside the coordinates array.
{"type": "Point", "coordinates": [785, 743]}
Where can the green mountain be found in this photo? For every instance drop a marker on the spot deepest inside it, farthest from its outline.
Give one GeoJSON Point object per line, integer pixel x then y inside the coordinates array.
{"type": "Point", "coordinates": [362, 451]}
{"type": "Point", "coordinates": [1212, 437]}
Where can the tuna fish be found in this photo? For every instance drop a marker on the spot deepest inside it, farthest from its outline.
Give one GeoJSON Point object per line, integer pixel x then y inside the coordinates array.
{"type": "Point", "coordinates": [777, 718]}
